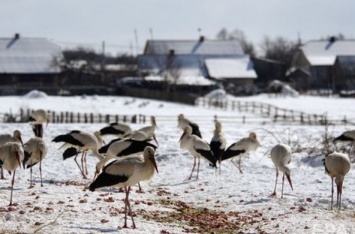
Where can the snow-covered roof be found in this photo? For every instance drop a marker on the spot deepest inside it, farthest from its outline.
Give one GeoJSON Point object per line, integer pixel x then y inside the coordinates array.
{"type": "Point", "coordinates": [324, 52]}
{"type": "Point", "coordinates": [185, 80]}
{"type": "Point", "coordinates": [202, 47]}
{"type": "Point", "coordinates": [20, 55]}
{"type": "Point", "coordinates": [231, 68]}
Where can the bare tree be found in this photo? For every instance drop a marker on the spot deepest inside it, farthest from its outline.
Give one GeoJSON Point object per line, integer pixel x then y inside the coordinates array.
{"type": "Point", "coordinates": [247, 46]}
{"type": "Point", "coordinates": [222, 34]}
{"type": "Point", "coordinates": [279, 49]}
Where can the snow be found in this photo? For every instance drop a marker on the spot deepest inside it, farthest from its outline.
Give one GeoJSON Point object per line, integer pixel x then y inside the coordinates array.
{"type": "Point", "coordinates": [227, 203]}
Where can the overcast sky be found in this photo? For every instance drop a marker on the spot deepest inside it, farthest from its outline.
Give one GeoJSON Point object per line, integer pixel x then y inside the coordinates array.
{"type": "Point", "coordinates": [115, 21]}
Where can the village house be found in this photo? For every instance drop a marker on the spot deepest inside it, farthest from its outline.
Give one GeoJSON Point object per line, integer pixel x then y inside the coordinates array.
{"type": "Point", "coordinates": [196, 66]}
{"type": "Point", "coordinates": [325, 64]}
{"type": "Point", "coordinates": [27, 63]}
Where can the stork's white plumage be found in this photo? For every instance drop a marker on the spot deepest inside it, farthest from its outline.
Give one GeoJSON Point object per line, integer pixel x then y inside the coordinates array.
{"type": "Point", "coordinates": [337, 165]}
{"type": "Point", "coordinates": [37, 119]}
{"type": "Point", "coordinates": [117, 129]}
{"type": "Point", "coordinates": [5, 138]}
{"type": "Point", "coordinates": [218, 143]}
{"type": "Point", "coordinates": [11, 156]}
{"type": "Point", "coordinates": [198, 147]}
{"type": "Point", "coordinates": [241, 148]}
{"type": "Point", "coordinates": [126, 172]}
{"type": "Point", "coordinates": [184, 122]}
{"type": "Point", "coordinates": [123, 148]}
{"type": "Point", "coordinates": [79, 141]}
{"type": "Point", "coordinates": [35, 150]}
{"type": "Point", "coordinates": [281, 157]}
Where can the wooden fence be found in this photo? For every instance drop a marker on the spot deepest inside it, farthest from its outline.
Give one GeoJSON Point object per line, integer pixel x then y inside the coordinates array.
{"type": "Point", "coordinates": [71, 117]}
{"type": "Point", "coordinates": [261, 114]}
{"type": "Point", "coordinates": [275, 114]}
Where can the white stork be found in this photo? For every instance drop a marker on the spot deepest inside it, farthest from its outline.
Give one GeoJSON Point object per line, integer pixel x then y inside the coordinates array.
{"type": "Point", "coordinates": [124, 173]}
{"type": "Point", "coordinates": [122, 148]}
{"type": "Point", "coordinates": [79, 141]}
{"type": "Point", "coordinates": [5, 138]}
{"type": "Point", "coordinates": [337, 165]}
{"type": "Point", "coordinates": [184, 122]}
{"type": "Point", "coordinates": [35, 150]}
{"type": "Point", "coordinates": [117, 129]}
{"type": "Point", "coordinates": [11, 156]}
{"type": "Point", "coordinates": [218, 143]}
{"type": "Point", "coordinates": [281, 157]}
{"type": "Point", "coordinates": [241, 148]}
{"type": "Point", "coordinates": [37, 118]}
{"type": "Point", "coordinates": [197, 147]}
{"type": "Point", "coordinates": [149, 130]}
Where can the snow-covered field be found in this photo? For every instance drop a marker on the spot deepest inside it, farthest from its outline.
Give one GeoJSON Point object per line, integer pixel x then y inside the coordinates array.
{"type": "Point", "coordinates": [227, 203]}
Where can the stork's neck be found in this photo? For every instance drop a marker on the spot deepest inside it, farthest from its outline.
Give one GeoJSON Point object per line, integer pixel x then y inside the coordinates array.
{"type": "Point", "coordinates": [98, 155]}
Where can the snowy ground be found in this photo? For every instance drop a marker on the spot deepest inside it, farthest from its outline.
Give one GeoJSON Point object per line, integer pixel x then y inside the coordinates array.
{"type": "Point", "coordinates": [227, 203]}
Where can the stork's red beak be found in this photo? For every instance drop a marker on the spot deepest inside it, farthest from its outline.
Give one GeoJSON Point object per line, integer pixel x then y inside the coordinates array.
{"type": "Point", "coordinates": [289, 180]}
{"type": "Point", "coordinates": [18, 159]}
{"type": "Point", "coordinates": [20, 139]}
{"type": "Point", "coordinates": [155, 139]}
{"type": "Point", "coordinates": [154, 163]}
{"type": "Point", "coordinates": [183, 134]}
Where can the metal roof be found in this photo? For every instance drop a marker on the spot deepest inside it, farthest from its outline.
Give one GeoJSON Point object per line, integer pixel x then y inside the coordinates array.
{"type": "Point", "coordinates": [28, 55]}
{"type": "Point", "coordinates": [197, 47]}
{"type": "Point", "coordinates": [324, 52]}
{"type": "Point", "coordinates": [231, 68]}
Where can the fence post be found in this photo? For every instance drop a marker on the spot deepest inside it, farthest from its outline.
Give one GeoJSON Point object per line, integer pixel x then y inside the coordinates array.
{"type": "Point", "coordinates": [85, 118]}
{"type": "Point", "coordinates": [134, 119]}
{"type": "Point", "coordinates": [78, 118]}
{"type": "Point", "coordinates": [107, 119]}
{"type": "Point", "coordinates": [53, 117]}
{"type": "Point", "coordinates": [71, 117]}
{"type": "Point", "coordinates": [91, 118]}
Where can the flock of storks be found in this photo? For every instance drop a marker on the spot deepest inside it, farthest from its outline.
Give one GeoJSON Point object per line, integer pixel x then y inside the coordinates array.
{"type": "Point", "coordinates": [130, 157]}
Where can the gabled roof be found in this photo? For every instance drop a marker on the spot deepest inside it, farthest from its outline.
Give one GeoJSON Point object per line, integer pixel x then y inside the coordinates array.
{"type": "Point", "coordinates": [231, 68]}
{"type": "Point", "coordinates": [324, 52]}
{"type": "Point", "coordinates": [28, 55]}
{"type": "Point", "coordinates": [197, 47]}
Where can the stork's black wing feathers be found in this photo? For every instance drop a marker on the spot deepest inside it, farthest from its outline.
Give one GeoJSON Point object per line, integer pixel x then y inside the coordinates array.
{"type": "Point", "coordinates": [103, 149]}
{"type": "Point", "coordinates": [111, 130]}
{"type": "Point", "coordinates": [216, 149]}
{"type": "Point", "coordinates": [231, 153]}
{"type": "Point", "coordinates": [106, 179]}
{"type": "Point", "coordinates": [195, 129]}
{"type": "Point", "coordinates": [342, 137]}
{"type": "Point", "coordinates": [68, 138]}
{"type": "Point", "coordinates": [135, 147]}
{"type": "Point", "coordinates": [69, 152]}
{"type": "Point", "coordinates": [26, 157]}
{"type": "Point", "coordinates": [31, 119]}
{"type": "Point", "coordinates": [207, 154]}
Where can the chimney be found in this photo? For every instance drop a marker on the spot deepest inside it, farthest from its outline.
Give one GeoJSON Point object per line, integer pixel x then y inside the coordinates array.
{"type": "Point", "coordinates": [332, 39]}
{"type": "Point", "coordinates": [17, 36]}
{"type": "Point", "coordinates": [202, 38]}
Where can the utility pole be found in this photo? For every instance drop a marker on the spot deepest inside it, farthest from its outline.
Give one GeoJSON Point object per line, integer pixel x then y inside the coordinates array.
{"type": "Point", "coordinates": [103, 58]}
{"type": "Point", "coordinates": [136, 38]}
